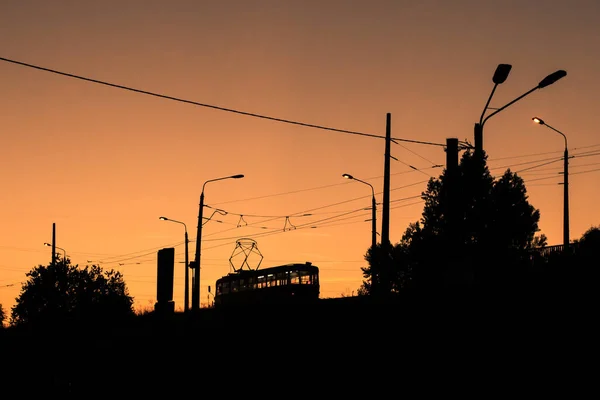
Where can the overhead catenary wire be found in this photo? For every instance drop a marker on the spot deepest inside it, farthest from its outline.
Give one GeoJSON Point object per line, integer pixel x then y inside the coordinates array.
{"type": "Point", "coordinates": [231, 110]}
{"type": "Point", "coordinates": [227, 110]}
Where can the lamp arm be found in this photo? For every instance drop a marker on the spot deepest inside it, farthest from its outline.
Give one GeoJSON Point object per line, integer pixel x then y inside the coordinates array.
{"type": "Point", "coordinates": [508, 104]}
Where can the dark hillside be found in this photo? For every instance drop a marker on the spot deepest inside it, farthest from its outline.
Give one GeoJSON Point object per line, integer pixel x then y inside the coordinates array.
{"type": "Point", "coordinates": [152, 354]}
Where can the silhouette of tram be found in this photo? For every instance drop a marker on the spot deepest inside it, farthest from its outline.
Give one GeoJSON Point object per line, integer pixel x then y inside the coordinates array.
{"type": "Point", "coordinates": [283, 284]}
{"type": "Point", "coordinates": [290, 283]}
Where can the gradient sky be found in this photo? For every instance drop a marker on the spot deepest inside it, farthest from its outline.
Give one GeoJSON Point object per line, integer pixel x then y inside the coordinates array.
{"type": "Point", "coordinates": [103, 163]}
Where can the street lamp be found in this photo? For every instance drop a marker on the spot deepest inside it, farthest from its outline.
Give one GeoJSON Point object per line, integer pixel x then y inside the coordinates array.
{"type": "Point", "coordinates": [186, 295]}
{"type": "Point", "coordinates": [565, 183]}
{"type": "Point", "coordinates": [196, 262]}
{"type": "Point", "coordinates": [374, 207]}
{"type": "Point", "coordinates": [499, 77]}
{"type": "Point", "coordinates": [60, 248]}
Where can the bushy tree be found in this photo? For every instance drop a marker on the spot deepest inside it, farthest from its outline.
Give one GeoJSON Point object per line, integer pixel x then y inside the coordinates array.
{"type": "Point", "coordinates": [590, 240]}
{"type": "Point", "coordinates": [387, 271]}
{"type": "Point", "coordinates": [587, 255]}
{"type": "Point", "coordinates": [63, 293]}
{"type": "Point", "coordinates": [2, 317]}
{"type": "Point", "coordinates": [473, 229]}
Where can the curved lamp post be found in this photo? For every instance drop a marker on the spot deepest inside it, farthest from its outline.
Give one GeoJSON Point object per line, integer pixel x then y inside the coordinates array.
{"type": "Point", "coordinates": [565, 183]}
{"type": "Point", "coordinates": [186, 295]}
{"type": "Point", "coordinates": [196, 263]}
{"type": "Point", "coordinates": [60, 248]}
{"type": "Point", "coordinates": [374, 208]}
{"type": "Point", "coordinates": [500, 76]}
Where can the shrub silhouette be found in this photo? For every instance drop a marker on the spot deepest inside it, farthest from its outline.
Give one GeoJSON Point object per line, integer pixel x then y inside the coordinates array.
{"type": "Point", "coordinates": [62, 294]}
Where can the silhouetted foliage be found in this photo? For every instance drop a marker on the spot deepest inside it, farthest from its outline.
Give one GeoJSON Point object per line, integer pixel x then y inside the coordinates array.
{"type": "Point", "coordinates": [2, 317]}
{"type": "Point", "coordinates": [590, 241]}
{"type": "Point", "coordinates": [480, 230]}
{"type": "Point", "coordinates": [387, 281]}
{"type": "Point", "coordinates": [587, 255]}
{"type": "Point", "coordinates": [539, 242]}
{"type": "Point", "coordinates": [63, 293]}
{"type": "Point", "coordinates": [494, 227]}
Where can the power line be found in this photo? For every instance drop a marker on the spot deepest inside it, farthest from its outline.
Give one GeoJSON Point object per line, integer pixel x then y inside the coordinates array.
{"type": "Point", "coordinates": [115, 259]}
{"type": "Point", "coordinates": [525, 163]}
{"type": "Point", "coordinates": [558, 176]}
{"type": "Point", "coordinates": [323, 222]}
{"type": "Point", "coordinates": [249, 114]}
{"type": "Point", "coordinates": [584, 172]}
{"type": "Point", "coordinates": [416, 154]}
{"type": "Point", "coordinates": [11, 284]}
{"type": "Point", "coordinates": [322, 187]}
{"type": "Point", "coordinates": [304, 213]}
{"type": "Point", "coordinates": [552, 160]}
{"type": "Point", "coordinates": [560, 168]}
{"type": "Point", "coordinates": [539, 165]}
{"type": "Point", "coordinates": [413, 168]}
{"type": "Point", "coordinates": [524, 156]}
{"type": "Point", "coordinates": [544, 153]}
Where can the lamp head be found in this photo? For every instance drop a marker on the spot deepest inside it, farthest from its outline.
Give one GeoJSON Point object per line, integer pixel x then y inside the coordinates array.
{"type": "Point", "coordinates": [538, 120]}
{"type": "Point", "coordinates": [553, 77]}
{"type": "Point", "coordinates": [347, 176]}
{"type": "Point", "coordinates": [501, 73]}
{"type": "Point", "coordinates": [237, 176]}
{"type": "Point", "coordinates": [163, 218]}
{"type": "Point", "coordinates": [47, 244]}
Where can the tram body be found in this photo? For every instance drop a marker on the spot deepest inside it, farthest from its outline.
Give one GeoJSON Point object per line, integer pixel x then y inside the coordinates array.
{"type": "Point", "coordinates": [290, 283]}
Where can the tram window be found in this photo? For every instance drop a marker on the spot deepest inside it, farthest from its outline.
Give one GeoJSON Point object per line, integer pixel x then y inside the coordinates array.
{"type": "Point", "coordinates": [305, 277]}
{"type": "Point", "coordinates": [283, 278]}
{"type": "Point", "coordinates": [261, 282]}
{"type": "Point", "coordinates": [225, 287]}
{"type": "Point", "coordinates": [294, 279]}
{"type": "Point", "coordinates": [235, 286]}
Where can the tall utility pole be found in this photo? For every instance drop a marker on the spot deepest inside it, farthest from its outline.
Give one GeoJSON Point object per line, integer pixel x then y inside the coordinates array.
{"type": "Point", "coordinates": [382, 280]}
{"type": "Point", "coordinates": [196, 262]}
{"type": "Point", "coordinates": [566, 239]}
{"type": "Point", "coordinates": [451, 174]}
{"type": "Point", "coordinates": [186, 295]}
{"type": "Point", "coordinates": [53, 244]}
{"type": "Point", "coordinates": [385, 216]}
{"type": "Point", "coordinates": [453, 272]}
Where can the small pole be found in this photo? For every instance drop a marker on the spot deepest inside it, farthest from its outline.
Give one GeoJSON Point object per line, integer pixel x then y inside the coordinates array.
{"type": "Point", "coordinates": [53, 244]}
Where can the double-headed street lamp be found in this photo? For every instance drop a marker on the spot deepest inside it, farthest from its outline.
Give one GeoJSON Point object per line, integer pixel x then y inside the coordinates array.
{"type": "Point", "coordinates": [60, 248]}
{"type": "Point", "coordinates": [196, 262]}
{"type": "Point", "coordinates": [499, 77]}
{"type": "Point", "coordinates": [186, 296]}
{"type": "Point", "coordinates": [565, 183]}
{"type": "Point", "coordinates": [374, 207]}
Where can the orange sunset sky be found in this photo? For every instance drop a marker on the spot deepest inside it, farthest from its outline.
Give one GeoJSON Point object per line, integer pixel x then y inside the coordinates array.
{"type": "Point", "coordinates": [104, 163]}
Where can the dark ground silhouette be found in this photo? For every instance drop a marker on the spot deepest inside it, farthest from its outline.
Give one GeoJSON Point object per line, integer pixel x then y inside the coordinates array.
{"type": "Point", "coordinates": [348, 345]}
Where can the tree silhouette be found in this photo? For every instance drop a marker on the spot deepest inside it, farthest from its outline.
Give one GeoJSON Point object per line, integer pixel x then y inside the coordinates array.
{"type": "Point", "coordinates": [63, 293]}
{"type": "Point", "coordinates": [2, 317]}
{"type": "Point", "coordinates": [590, 241]}
{"type": "Point", "coordinates": [473, 229]}
{"type": "Point", "coordinates": [585, 260]}
{"type": "Point", "coordinates": [398, 278]}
